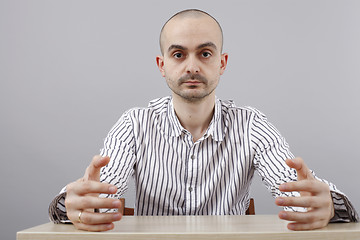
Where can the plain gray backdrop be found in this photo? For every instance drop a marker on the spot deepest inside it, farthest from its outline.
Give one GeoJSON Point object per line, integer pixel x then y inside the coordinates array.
{"type": "Point", "coordinates": [69, 69]}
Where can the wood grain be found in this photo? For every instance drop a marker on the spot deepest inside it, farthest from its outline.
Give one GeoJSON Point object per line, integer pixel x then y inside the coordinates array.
{"type": "Point", "coordinates": [193, 227]}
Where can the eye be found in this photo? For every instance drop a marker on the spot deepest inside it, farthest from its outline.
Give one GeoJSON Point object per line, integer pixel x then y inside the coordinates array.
{"type": "Point", "coordinates": [206, 54]}
{"type": "Point", "coordinates": [178, 55]}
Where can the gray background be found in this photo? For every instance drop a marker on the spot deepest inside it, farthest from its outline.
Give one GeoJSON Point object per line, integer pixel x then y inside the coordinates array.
{"type": "Point", "coordinates": [69, 69]}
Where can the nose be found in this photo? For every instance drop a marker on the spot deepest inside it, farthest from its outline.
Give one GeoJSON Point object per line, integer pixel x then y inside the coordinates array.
{"type": "Point", "coordinates": [192, 65]}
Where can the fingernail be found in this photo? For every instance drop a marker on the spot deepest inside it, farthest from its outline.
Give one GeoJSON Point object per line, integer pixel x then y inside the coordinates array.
{"type": "Point", "coordinates": [116, 204]}
{"type": "Point", "coordinates": [282, 215]}
{"type": "Point", "coordinates": [290, 161]}
{"type": "Point", "coordinates": [117, 217]}
{"type": "Point", "coordinates": [282, 187]}
{"type": "Point", "coordinates": [291, 226]}
{"type": "Point", "coordinates": [280, 201]}
{"type": "Point", "coordinates": [112, 189]}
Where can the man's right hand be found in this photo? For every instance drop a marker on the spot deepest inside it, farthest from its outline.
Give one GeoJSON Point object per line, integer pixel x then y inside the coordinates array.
{"type": "Point", "coordinates": [82, 197]}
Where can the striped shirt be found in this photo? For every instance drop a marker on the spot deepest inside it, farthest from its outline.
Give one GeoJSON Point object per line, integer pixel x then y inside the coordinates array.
{"type": "Point", "coordinates": [176, 176]}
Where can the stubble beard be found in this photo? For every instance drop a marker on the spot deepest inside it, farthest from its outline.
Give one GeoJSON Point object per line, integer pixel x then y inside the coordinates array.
{"type": "Point", "coordinates": [191, 94]}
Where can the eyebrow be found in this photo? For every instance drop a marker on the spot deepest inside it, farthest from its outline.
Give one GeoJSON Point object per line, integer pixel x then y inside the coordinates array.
{"type": "Point", "coordinates": [207, 44]}
{"type": "Point", "coordinates": [175, 46]}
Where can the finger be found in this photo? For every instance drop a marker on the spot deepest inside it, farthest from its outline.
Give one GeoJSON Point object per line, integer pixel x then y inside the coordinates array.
{"type": "Point", "coordinates": [306, 226]}
{"type": "Point", "coordinates": [90, 202]}
{"type": "Point", "coordinates": [313, 186]}
{"type": "Point", "coordinates": [301, 217]}
{"type": "Point", "coordinates": [86, 187]}
{"type": "Point", "coordinates": [91, 218]}
{"type": "Point", "coordinates": [305, 202]}
{"type": "Point", "coordinates": [94, 228]}
{"type": "Point", "coordinates": [303, 220]}
{"type": "Point", "coordinates": [303, 172]}
{"type": "Point", "coordinates": [93, 170]}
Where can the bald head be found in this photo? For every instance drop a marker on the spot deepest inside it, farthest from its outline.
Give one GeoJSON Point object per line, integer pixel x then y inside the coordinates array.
{"type": "Point", "coordinates": [186, 14]}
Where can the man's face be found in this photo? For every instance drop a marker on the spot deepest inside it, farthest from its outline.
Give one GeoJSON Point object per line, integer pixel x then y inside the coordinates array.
{"type": "Point", "coordinates": [192, 61]}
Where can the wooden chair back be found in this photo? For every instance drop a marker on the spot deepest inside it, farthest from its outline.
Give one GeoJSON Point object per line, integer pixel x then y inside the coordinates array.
{"type": "Point", "coordinates": [130, 211]}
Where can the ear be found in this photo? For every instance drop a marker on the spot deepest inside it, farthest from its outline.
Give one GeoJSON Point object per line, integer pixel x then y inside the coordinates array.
{"type": "Point", "coordinates": [160, 64]}
{"type": "Point", "coordinates": [224, 59]}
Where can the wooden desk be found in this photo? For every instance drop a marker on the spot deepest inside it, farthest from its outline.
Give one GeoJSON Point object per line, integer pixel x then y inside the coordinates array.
{"type": "Point", "coordinates": [194, 227]}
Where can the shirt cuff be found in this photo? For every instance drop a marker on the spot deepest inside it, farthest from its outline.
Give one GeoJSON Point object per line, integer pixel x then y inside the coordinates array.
{"type": "Point", "coordinates": [343, 209]}
{"type": "Point", "coordinates": [57, 210]}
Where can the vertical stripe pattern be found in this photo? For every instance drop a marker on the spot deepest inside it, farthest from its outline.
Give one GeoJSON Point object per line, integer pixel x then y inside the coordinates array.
{"type": "Point", "coordinates": [212, 176]}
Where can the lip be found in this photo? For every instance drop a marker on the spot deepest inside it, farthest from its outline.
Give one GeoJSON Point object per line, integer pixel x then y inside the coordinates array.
{"type": "Point", "coordinates": [192, 82]}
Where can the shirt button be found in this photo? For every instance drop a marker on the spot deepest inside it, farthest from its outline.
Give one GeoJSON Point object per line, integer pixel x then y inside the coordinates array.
{"type": "Point", "coordinates": [190, 189]}
{"type": "Point", "coordinates": [192, 157]}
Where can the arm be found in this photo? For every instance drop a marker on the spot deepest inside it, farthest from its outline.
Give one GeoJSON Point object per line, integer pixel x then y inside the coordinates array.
{"type": "Point", "coordinates": [315, 196]}
{"type": "Point", "coordinates": [321, 203]}
{"type": "Point", "coordinates": [271, 151]}
{"type": "Point", "coordinates": [82, 197]}
{"type": "Point", "coordinates": [111, 173]}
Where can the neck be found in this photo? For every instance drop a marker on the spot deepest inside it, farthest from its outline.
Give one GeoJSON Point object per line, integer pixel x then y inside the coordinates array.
{"type": "Point", "coordinates": [195, 116]}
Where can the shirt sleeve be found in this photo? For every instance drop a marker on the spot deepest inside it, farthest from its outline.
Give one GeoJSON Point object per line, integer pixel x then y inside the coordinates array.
{"type": "Point", "coordinates": [57, 210]}
{"type": "Point", "coordinates": [271, 151]}
{"type": "Point", "coordinates": [119, 146]}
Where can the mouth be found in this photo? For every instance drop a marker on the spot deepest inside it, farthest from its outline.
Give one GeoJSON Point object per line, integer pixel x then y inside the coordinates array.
{"type": "Point", "coordinates": [192, 79]}
{"type": "Point", "coordinates": [192, 82]}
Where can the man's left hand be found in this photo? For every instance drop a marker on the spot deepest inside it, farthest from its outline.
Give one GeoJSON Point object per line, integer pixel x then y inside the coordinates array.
{"type": "Point", "coordinates": [315, 196]}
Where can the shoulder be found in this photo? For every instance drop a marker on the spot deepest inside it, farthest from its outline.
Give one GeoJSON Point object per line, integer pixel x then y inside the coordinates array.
{"type": "Point", "coordinates": [141, 115]}
{"type": "Point", "coordinates": [155, 107]}
{"type": "Point", "coordinates": [228, 107]}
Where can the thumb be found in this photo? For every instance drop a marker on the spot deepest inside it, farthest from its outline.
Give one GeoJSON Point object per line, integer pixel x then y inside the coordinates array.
{"type": "Point", "coordinates": [93, 170]}
{"type": "Point", "coordinates": [303, 172]}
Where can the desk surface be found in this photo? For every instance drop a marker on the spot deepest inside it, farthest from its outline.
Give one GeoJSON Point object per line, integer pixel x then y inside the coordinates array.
{"type": "Point", "coordinates": [194, 227]}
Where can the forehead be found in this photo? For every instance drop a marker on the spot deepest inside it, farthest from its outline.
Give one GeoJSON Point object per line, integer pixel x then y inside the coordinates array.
{"type": "Point", "coordinates": [191, 32]}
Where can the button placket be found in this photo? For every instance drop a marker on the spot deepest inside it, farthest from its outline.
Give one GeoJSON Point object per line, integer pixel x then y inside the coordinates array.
{"type": "Point", "coordinates": [190, 181]}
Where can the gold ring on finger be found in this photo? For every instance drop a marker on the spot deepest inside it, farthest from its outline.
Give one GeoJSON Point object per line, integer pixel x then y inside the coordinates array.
{"type": "Point", "coordinates": [79, 217]}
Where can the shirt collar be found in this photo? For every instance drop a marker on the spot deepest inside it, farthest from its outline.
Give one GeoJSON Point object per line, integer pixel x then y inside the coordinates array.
{"type": "Point", "coordinates": [176, 127]}
{"type": "Point", "coordinates": [216, 127]}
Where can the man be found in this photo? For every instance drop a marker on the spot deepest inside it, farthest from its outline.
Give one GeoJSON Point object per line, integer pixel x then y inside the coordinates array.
{"type": "Point", "coordinates": [193, 154]}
